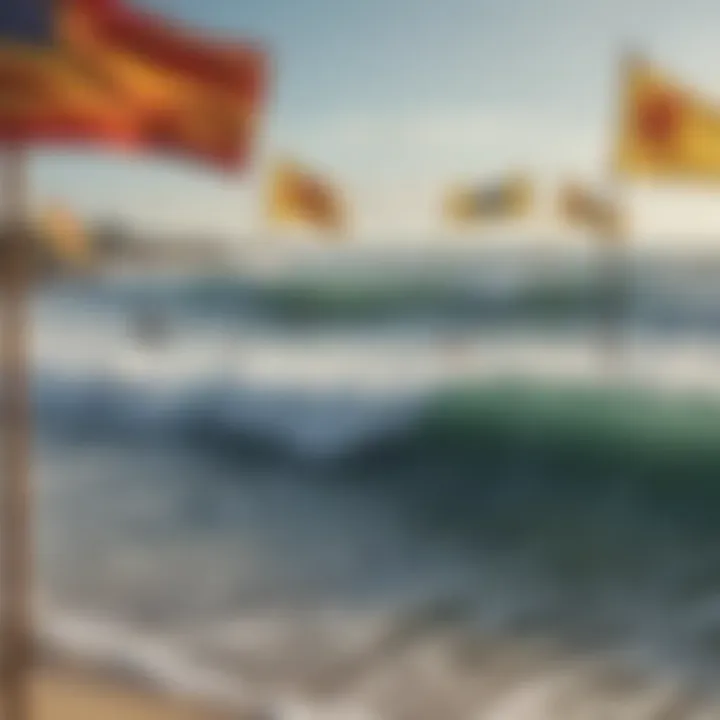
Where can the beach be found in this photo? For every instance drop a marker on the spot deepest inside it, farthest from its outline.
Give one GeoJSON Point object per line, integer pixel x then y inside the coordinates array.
{"type": "Point", "coordinates": [69, 696]}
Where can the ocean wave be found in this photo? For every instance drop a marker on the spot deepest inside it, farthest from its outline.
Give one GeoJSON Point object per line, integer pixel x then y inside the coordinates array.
{"type": "Point", "coordinates": [217, 415]}
{"type": "Point", "coordinates": [579, 519]}
{"type": "Point", "coordinates": [602, 432]}
{"type": "Point", "coordinates": [667, 297]}
{"type": "Point", "coordinates": [582, 522]}
{"type": "Point", "coordinates": [534, 458]}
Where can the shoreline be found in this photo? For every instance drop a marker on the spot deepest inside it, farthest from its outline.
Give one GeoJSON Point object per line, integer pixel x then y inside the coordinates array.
{"type": "Point", "coordinates": [79, 695]}
{"type": "Point", "coordinates": [71, 689]}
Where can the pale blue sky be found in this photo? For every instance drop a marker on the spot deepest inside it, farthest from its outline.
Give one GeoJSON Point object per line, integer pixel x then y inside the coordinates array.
{"type": "Point", "coordinates": [397, 98]}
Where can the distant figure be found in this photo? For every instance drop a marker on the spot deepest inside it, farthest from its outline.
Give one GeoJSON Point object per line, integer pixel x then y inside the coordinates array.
{"type": "Point", "coordinates": [150, 327]}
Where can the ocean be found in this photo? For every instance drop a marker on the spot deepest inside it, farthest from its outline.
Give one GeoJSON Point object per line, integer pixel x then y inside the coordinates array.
{"type": "Point", "coordinates": [457, 490]}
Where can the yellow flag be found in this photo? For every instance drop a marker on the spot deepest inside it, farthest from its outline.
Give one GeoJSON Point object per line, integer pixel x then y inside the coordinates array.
{"type": "Point", "coordinates": [298, 197]}
{"type": "Point", "coordinates": [580, 207]}
{"type": "Point", "coordinates": [667, 131]}
{"type": "Point", "coordinates": [63, 237]}
{"type": "Point", "coordinates": [510, 198]}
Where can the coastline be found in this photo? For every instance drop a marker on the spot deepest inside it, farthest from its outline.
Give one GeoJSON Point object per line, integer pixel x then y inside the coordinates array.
{"type": "Point", "coordinates": [74, 695]}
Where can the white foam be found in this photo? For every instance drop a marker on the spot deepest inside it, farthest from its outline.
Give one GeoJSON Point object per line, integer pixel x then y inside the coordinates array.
{"type": "Point", "coordinates": [322, 397]}
{"type": "Point", "coordinates": [162, 662]}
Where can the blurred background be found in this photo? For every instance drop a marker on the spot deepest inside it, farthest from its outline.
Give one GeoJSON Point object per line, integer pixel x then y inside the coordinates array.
{"type": "Point", "coordinates": [420, 458]}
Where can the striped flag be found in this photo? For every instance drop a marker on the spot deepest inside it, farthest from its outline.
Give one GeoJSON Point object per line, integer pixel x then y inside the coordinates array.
{"type": "Point", "coordinates": [98, 71]}
{"type": "Point", "coordinates": [42, 96]}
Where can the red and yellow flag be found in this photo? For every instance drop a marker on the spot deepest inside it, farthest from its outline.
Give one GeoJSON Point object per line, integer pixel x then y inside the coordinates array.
{"type": "Point", "coordinates": [667, 131]}
{"type": "Point", "coordinates": [43, 97]}
{"type": "Point", "coordinates": [100, 71]}
{"type": "Point", "coordinates": [299, 197]}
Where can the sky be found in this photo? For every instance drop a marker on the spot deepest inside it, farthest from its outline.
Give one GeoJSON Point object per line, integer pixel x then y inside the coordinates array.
{"type": "Point", "coordinates": [397, 99]}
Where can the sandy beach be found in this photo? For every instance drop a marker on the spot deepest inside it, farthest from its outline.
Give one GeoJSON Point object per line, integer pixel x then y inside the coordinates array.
{"type": "Point", "coordinates": [67, 696]}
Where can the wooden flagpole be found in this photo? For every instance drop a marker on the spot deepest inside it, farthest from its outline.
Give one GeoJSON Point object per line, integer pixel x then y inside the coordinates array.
{"type": "Point", "coordinates": [15, 530]}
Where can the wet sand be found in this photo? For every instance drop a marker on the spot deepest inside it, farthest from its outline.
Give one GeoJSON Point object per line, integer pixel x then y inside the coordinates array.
{"type": "Point", "coordinates": [70, 696]}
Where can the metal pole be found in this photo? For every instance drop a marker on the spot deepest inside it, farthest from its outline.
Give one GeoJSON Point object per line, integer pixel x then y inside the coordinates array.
{"type": "Point", "coordinates": [15, 530]}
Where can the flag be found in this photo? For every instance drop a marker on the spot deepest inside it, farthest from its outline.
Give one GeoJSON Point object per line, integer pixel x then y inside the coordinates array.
{"type": "Point", "coordinates": [109, 73]}
{"type": "Point", "coordinates": [197, 96]}
{"type": "Point", "coordinates": [42, 96]}
{"type": "Point", "coordinates": [299, 197]}
{"type": "Point", "coordinates": [667, 131]}
{"type": "Point", "coordinates": [580, 207]}
{"type": "Point", "coordinates": [510, 198]}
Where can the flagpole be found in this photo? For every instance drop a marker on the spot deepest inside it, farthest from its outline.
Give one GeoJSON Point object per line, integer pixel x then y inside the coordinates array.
{"type": "Point", "coordinates": [613, 294]}
{"type": "Point", "coordinates": [15, 533]}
